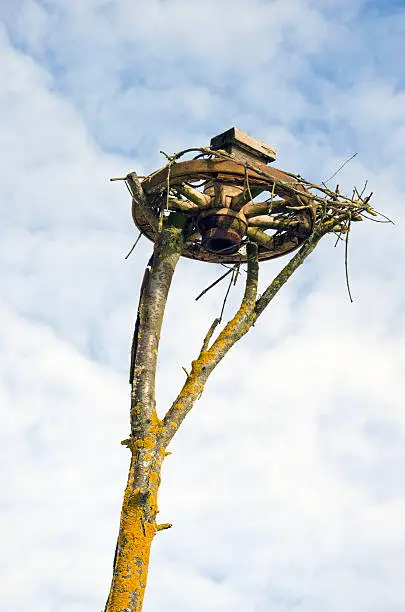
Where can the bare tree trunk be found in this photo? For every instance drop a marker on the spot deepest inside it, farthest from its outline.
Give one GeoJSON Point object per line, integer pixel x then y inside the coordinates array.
{"type": "Point", "coordinates": [138, 516]}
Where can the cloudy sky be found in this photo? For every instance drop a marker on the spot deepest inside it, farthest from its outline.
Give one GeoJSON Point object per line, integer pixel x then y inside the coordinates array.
{"type": "Point", "coordinates": [286, 485]}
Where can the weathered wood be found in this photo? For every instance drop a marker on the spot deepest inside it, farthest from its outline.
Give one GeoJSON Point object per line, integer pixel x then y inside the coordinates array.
{"type": "Point", "coordinates": [253, 209]}
{"type": "Point", "coordinates": [140, 200]}
{"type": "Point", "coordinates": [201, 199]}
{"type": "Point", "coordinates": [246, 195]}
{"type": "Point", "coordinates": [259, 236]}
{"type": "Point", "coordinates": [268, 222]}
{"type": "Point", "coordinates": [226, 180]}
{"type": "Point", "coordinates": [221, 194]}
{"type": "Point", "coordinates": [209, 167]}
{"type": "Point", "coordinates": [243, 146]}
{"type": "Point", "coordinates": [182, 205]}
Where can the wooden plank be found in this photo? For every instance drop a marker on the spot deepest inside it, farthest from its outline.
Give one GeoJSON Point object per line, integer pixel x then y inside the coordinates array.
{"type": "Point", "coordinates": [242, 145]}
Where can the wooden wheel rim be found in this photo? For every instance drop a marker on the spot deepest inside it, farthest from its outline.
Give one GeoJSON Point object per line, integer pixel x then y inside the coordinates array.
{"type": "Point", "coordinates": [229, 172]}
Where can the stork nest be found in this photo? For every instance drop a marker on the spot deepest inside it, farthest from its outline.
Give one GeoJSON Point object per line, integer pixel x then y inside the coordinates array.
{"type": "Point", "coordinates": [278, 210]}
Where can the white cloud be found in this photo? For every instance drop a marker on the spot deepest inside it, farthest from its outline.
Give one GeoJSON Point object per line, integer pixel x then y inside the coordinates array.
{"type": "Point", "coordinates": [285, 484]}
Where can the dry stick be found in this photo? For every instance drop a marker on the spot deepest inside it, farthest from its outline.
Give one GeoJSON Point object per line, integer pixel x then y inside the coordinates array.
{"type": "Point", "coordinates": [339, 237]}
{"type": "Point", "coordinates": [346, 260]}
{"type": "Point", "coordinates": [229, 267]}
{"type": "Point", "coordinates": [124, 178]}
{"type": "Point", "coordinates": [340, 168]}
{"type": "Point", "coordinates": [134, 245]}
{"type": "Point", "coordinates": [226, 296]}
{"type": "Point", "coordinates": [214, 283]}
{"type": "Point", "coordinates": [237, 270]}
{"type": "Point", "coordinates": [364, 189]}
{"type": "Point", "coordinates": [310, 185]}
{"type": "Point", "coordinates": [247, 183]}
{"type": "Point", "coordinates": [127, 186]}
{"type": "Point", "coordinates": [272, 196]}
{"type": "Point", "coordinates": [388, 220]}
{"type": "Point", "coordinates": [357, 192]}
{"type": "Point", "coordinates": [376, 213]}
{"type": "Point", "coordinates": [164, 526]}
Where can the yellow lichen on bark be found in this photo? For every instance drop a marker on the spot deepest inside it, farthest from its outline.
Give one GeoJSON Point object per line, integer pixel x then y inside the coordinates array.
{"type": "Point", "coordinates": [132, 561]}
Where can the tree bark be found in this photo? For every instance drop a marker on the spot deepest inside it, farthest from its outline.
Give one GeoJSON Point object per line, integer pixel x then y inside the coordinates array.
{"type": "Point", "coordinates": [138, 516]}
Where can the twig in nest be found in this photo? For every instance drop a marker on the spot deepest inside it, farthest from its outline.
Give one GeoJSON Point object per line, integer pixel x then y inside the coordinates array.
{"type": "Point", "coordinates": [124, 178]}
{"type": "Point", "coordinates": [214, 283]}
{"type": "Point", "coordinates": [388, 220]}
{"type": "Point", "coordinates": [346, 259]}
{"type": "Point", "coordinates": [247, 185]}
{"type": "Point", "coordinates": [172, 159]}
{"type": "Point", "coordinates": [231, 268]}
{"type": "Point", "coordinates": [368, 198]}
{"type": "Point", "coordinates": [272, 196]}
{"type": "Point", "coordinates": [340, 168]}
{"type": "Point", "coordinates": [226, 296]}
{"type": "Point", "coordinates": [134, 245]}
{"type": "Point", "coordinates": [127, 186]}
{"type": "Point", "coordinates": [364, 189]}
{"type": "Point", "coordinates": [236, 274]}
{"type": "Point", "coordinates": [339, 237]}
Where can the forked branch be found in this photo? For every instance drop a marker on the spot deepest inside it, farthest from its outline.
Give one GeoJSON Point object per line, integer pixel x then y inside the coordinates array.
{"type": "Point", "coordinates": [210, 356]}
{"type": "Point", "coordinates": [247, 314]}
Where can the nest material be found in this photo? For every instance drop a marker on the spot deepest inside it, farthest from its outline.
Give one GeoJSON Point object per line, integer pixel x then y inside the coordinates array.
{"type": "Point", "coordinates": [281, 209]}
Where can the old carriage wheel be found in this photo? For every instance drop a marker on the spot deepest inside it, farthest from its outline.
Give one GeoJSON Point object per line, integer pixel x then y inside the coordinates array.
{"type": "Point", "coordinates": [218, 197]}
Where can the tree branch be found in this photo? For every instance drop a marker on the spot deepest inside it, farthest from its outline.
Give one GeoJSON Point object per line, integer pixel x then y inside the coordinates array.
{"type": "Point", "coordinates": [164, 526]}
{"type": "Point", "coordinates": [208, 336]}
{"type": "Point", "coordinates": [286, 272]}
{"type": "Point", "coordinates": [246, 316]}
{"type": "Point", "coordinates": [145, 426]}
{"type": "Point", "coordinates": [209, 357]}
